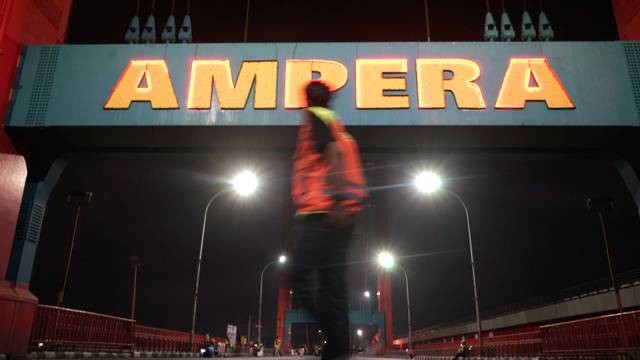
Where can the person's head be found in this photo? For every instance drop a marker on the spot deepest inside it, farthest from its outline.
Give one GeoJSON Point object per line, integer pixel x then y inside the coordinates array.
{"type": "Point", "coordinates": [464, 342]}
{"type": "Point", "coordinates": [318, 93]}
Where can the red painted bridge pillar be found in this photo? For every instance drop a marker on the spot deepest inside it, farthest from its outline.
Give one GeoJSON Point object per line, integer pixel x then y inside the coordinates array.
{"type": "Point", "coordinates": [627, 18]}
{"type": "Point", "coordinates": [385, 306]}
{"type": "Point", "coordinates": [17, 304]}
{"type": "Point", "coordinates": [284, 304]}
{"type": "Point", "coordinates": [22, 22]}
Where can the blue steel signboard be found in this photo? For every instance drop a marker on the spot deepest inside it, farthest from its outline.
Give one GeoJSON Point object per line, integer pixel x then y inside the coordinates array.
{"type": "Point", "coordinates": [442, 84]}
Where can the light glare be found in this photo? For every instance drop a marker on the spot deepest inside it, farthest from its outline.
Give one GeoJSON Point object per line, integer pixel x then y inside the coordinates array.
{"type": "Point", "coordinates": [427, 182]}
{"type": "Point", "coordinates": [367, 294]}
{"type": "Point", "coordinates": [385, 259]}
{"type": "Point", "coordinates": [245, 183]}
{"type": "Point", "coordinates": [282, 259]}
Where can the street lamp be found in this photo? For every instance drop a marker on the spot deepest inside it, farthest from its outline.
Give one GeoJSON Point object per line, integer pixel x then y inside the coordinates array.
{"type": "Point", "coordinates": [367, 298]}
{"type": "Point", "coordinates": [135, 264]}
{"type": "Point", "coordinates": [387, 261]}
{"type": "Point", "coordinates": [428, 182]}
{"type": "Point", "coordinates": [78, 199]}
{"type": "Point", "coordinates": [243, 184]}
{"type": "Point", "coordinates": [281, 259]}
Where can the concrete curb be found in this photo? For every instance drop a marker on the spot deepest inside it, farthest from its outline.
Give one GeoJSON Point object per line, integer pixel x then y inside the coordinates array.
{"type": "Point", "coordinates": [105, 355]}
{"type": "Point", "coordinates": [152, 354]}
{"type": "Point", "coordinates": [424, 357]}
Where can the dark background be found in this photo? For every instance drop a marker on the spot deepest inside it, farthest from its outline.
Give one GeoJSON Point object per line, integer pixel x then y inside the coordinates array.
{"type": "Point", "coordinates": [340, 20]}
{"type": "Point", "coordinates": [532, 232]}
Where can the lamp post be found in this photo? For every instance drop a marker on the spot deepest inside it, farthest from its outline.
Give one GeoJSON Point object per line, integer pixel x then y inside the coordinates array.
{"type": "Point", "coordinates": [601, 206]}
{"type": "Point", "coordinates": [135, 263]}
{"type": "Point", "coordinates": [281, 259]}
{"type": "Point", "coordinates": [387, 261]}
{"type": "Point", "coordinates": [244, 184]}
{"type": "Point", "coordinates": [78, 199]}
{"type": "Point", "coordinates": [428, 182]}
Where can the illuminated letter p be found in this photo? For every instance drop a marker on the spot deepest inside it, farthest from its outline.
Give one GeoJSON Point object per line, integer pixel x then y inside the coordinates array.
{"type": "Point", "coordinates": [300, 72]}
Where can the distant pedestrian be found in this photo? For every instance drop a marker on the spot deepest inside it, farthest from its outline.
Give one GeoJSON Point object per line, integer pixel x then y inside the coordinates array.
{"type": "Point", "coordinates": [276, 347]}
{"type": "Point", "coordinates": [222, 349]}
{"type": "Point", "coordinates": [463, 351]}
{"type": "Point", "coordinates": [328, 189]}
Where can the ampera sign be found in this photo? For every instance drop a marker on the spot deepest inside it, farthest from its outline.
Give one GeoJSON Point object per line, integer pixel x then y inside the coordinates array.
{"type": "Point", "coordinates": [379, 84]}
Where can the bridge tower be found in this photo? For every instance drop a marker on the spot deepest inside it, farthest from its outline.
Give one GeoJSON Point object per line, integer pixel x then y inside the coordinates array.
{"type": "Point", "coordinates": [24, 22]}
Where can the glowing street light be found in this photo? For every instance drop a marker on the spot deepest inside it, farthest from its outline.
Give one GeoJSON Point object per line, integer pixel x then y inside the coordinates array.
{"type": "Point", "coordinates": [243, 184]}
{"type": "Point", "coordinates": [281, 260]}
{"type": "Point", "coordinates": [367, 297]}
{"type": "Point", "coordinates": [359, 332]}
{"type": "Point", "coordinates": [387, 261]}
{"type": "Point", "coordinates": [428, 182]}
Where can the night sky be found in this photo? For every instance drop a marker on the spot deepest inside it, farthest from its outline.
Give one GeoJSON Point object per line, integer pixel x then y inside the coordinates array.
{"type": "Point", "coordinates": [532, 232]}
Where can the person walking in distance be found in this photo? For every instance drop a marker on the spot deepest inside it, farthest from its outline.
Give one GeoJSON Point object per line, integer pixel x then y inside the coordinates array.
{"type": "Point", "coordinates": [328, 190]}
{"type": "Point", "coordinates": [464, 351]}
{"type": "Point", "coordinates": [276, 347]}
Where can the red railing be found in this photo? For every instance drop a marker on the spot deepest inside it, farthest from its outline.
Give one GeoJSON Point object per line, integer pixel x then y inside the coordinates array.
{"type": "Point", "coordinates": [155, 339]}
{"type": "Point", "coordinates": [68, 329]}
{"type": "Point", "coordinates": [60, 329]}
{"type": "Point", "coordinates": [444, 348]}
{"type": "Point", "coordinates": [514, 344]}
{"type": "Point", "coordinates": [438, 348]}
{"type": "Point", "coordinates": [609, 334]}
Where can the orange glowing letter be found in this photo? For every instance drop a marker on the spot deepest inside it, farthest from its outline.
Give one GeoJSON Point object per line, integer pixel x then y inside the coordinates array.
{"type": "Point", "coordinates": [206, 74]}
{"type": "Point", "coordinates": [517, 89]}
{"type": "Point", "coordinates": [371, 84]}
{"type": "Point", "coordinates": [143, 80]}
{"type": "Point", "coordinates": [300, 72]}
{"type": "Point", "coordinates": [432, 84]}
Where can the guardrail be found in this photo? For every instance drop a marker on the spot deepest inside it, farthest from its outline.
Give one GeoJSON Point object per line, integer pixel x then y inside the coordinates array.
{"type": "Point", "coordinates": [608, 334]}
{"type": "Point", "coordinates": [57, 328]}
{"type": "Point", "coordinates": [515, 344]}
{"type": "Point", "coordinates": [155, 339]}
{"type": "Point", "coordinates": [625, 280]}
{"type": "Point", "coordinates": [604, 336]}
{"type": "Point", "coordinates": [63, 329]}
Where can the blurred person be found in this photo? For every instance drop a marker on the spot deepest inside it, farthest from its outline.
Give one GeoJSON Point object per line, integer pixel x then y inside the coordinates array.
{"type": "Point", "coordinates": [328, 190]}
{"type": "Point", "coordinates": [277, 343]}
{"type": "Point", "coordinates": [464, 351]}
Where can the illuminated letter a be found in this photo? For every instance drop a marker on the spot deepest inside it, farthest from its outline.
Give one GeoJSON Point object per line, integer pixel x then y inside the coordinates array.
{"type": "Point", "coordinates": [517, 87]}
{"type": "Point", "coordinates": [144, 80]}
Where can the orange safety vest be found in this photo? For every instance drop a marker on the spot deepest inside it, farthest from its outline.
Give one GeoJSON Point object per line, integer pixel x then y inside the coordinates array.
{"type": "Point", "coordinates": [310, 190]}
